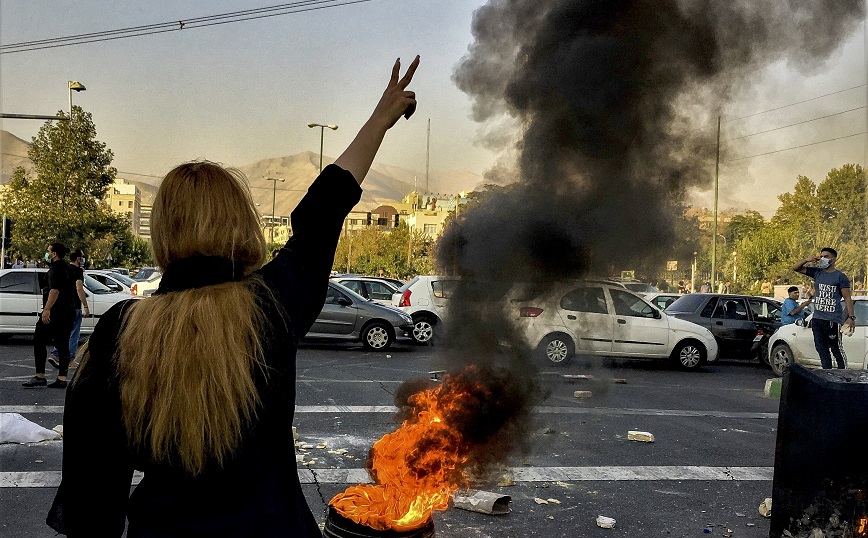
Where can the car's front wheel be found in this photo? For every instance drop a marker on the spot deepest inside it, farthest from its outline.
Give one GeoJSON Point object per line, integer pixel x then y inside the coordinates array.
{"type": "Point", "coordinates": [689, 355]}
{"type": "Point", "coordinates": [780, 359]}
{"type": "Point", "coordinates": [377, 337]}
{"type": "Point", "coordinates": [423, 329]}
{"type": "Point", "coordinates": [557, 349]}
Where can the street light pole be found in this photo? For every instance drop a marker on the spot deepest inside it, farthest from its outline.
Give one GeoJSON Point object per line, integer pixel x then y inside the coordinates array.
{"type": "Point", "coordinates": [273, 200]}
{"type": "Point", "coordinates": [77, 86]}
{"type": "Point", "coordinates": [322, 129]}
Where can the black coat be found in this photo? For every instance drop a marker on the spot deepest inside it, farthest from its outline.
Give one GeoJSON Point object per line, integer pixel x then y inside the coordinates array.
{"type": "Point", "coordinates": [257, 492]}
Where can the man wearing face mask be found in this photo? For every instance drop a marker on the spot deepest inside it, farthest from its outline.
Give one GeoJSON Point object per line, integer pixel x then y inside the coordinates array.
{"type": "Point", "coordinates": [56, 320]}
{"type": "Point", "coordinates": [830, 287]}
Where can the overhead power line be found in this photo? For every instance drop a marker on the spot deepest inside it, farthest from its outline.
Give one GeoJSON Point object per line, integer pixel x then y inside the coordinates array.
{"type": "Point", "coordinates": [793, 124]}
{"type": "Point", "coordinates": [793, 104]}
{"type": "Point", "coordinates": [794, 147]}
{"type": "Point", "coordinates": [175, 26]}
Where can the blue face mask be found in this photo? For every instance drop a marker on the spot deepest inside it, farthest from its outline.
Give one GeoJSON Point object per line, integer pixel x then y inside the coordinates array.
{"type": "Point", "coordinates": [823, 263]}
{"type": "Point", "coordinates": [47, 257]}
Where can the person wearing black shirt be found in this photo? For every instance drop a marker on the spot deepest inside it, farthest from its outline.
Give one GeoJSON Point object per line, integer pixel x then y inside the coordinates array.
{"type": "Point", "coordinates": [80, 304]}
{"type": "Point", "coordinates": [195, 386]}
{"type": "Point", "coordinates": [56, 320]}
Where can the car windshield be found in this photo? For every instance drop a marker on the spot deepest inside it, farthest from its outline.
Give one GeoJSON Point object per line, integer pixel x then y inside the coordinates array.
{"type": "Point", "coordinates": [95, 287]}
{"type": "Point", "coordinates": [123, 279]}
{"type": "Point", "coordinates": [686, 303]}
{"type": "Point", "coordinates": [640, 287]}
{"type": "Point", "coordinates": [347, 291]}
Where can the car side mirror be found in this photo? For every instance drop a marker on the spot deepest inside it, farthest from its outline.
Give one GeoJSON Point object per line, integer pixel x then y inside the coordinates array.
{"type": "Point", "coordinates": [801, 322]}
{"type": "Point", "coordinates": [657, 314]}
{"type": "Point", "coordinates": [343, 301]}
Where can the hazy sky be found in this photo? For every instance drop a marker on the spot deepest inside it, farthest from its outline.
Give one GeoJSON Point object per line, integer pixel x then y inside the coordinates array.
{"type": "Point", "coordinates": [242, 92]}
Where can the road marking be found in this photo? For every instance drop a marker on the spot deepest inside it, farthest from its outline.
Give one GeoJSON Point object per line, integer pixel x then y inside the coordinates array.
{"type": "Point", "coordinates": [361, 409]}
{"type": "Point", "coordinates": [51, 479]}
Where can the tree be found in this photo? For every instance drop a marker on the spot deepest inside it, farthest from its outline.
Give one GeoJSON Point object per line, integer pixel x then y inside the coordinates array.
{"type": "Point", "coordinates": [401, 252]}
{"type": "Point", "coordinates": [64, 199]}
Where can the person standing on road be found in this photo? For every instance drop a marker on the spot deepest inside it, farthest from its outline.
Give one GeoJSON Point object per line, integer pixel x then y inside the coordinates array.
{"type": "Point", "coordinates": [830, 287]}
{"type": "Point", "coordinates": [791, 310]}
{"type": "Point", "coordinates": [80, 302]}
{"type": "Point", "coordinates": [195, 385]}
{"type": "Point", "coordinates": [55, 322]}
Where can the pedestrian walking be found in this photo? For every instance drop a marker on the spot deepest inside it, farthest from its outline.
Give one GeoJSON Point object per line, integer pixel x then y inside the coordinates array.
{"type": "Point", "coordinates": [55, 322]}
{"type": "Point", "coordinates": [705, 287]}
{"type": "Point", "coordinates": [195, 386]}
{"type": "Point", "coordinates": [791, 310]}
{"type": "Point", "coordinates": [81, 309]}
{"type": "Point", "coordinates": [831, 286]}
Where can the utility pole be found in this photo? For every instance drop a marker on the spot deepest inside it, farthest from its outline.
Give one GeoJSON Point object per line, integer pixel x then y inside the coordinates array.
{"type": "Point", "coordinates": [427, 156]}
{"type": "Point", "coordinates": [3, 247]}
{"type": "Point", "coordinates": [714, 238]}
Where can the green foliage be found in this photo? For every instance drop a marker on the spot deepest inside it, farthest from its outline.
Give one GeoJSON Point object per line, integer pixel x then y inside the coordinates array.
{"type": "Point", "coordinates": [63, 200]}
{"type": "Point", "coordinates": [401, 253]}
{"type": "Point", "coordinates": [832, 213]}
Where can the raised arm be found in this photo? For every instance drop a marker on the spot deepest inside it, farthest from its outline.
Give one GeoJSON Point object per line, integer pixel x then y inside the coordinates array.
{"type": "Point", "coordinates": [396, 100]}
{"type": "Point", "coordinates": [800, 267]}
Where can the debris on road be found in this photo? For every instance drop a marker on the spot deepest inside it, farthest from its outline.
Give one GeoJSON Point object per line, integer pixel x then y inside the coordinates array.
{"type": "Point", "coordinates": [58, 429]}
{"type": "Point", "coordinates": [484, 502]}
{"type": "Point", "coordinates": [321, 445]}
{"type": "Point", "coordinates": [338, 451]}
{"type": "Point", "coordinates": [644, 437]}
{"type": "Point", "coordinates": [506, 479]}
{"type": "Point", "coordinates": [14, 428]}
{"type": "Point", "coordinates": [582, 394]}
{"type": "Point", "coordinates": [294, 434]}
{"type": "Point", "coordinates": [540, 501]}
{"type": "Point", "coordinates": [605, 522]}
{"type": "Point", "coordinates": [574, 377]}
{"type": "Point", "coordinates": [299, 458]}
{"type": "Point", "coordinates": [765, 507]}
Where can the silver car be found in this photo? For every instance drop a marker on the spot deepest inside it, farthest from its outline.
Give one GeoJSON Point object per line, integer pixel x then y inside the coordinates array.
{"type": "Point", "coordinates": [347, 315]}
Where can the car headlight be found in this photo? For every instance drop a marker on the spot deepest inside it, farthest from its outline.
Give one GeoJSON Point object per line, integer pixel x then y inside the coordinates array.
{"type": "Point", "coordinates": [407, 318]}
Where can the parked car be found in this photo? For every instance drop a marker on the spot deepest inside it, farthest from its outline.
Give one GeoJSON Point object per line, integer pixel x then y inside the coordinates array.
{"type": "Point", "coordinates": [604, 319]}
{"type": "Point", "coordinates": [639, 287]}
{"type": "Point", "coordinates": [425, 299]}
{"type": "Point", "coordinates": [375, 289]}
{"type": "Point", "coordinates": [113, 281]}
{"type": "Point", "coordinates": [662, 300]}
{"type": "Point", "coordinates": [121, 271]}
{"type": "Point", "coordinates": [146, 273]}
{"type": "Point", "coordinates": [741, 324]}
{"type": "Point", "coordinates": [795, 343]}
{"type": "Point", "coordinates": [347, 315]}
{"type": "Point", "coordinates": [147, 281]}
{"type": "Point", "coordinates": [21, 296]}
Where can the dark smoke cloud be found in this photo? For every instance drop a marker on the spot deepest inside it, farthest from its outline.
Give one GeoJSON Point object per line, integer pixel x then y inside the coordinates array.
{"type": "Point", "coordinates": [607, 96]}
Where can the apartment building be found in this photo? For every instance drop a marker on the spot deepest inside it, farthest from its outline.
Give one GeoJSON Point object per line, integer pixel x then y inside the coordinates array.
{"type": "Point", "coordinates": [126, 199]}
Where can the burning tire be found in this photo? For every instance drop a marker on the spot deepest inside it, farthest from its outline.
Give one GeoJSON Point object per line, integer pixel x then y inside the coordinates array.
{"type": "Point", "coordinates": [423, 329]}
{"type": "Point", "coordinates": [377, 337]}
{"type": "Point", "coordinates": [557, 349]}
{"type": "Point", "coordinates": [689, 355]}
{"type": "Point", "coordinates": [780, 359]}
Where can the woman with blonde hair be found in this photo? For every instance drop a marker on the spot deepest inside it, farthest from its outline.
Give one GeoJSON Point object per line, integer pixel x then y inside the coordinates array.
{"type": "Point", "coordinates": [195, 386]}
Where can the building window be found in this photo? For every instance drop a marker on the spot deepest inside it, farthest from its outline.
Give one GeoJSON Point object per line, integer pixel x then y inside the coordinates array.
{"type": "Point", "coordinates": [130, 204]}
{"type": "Point", "coordinates": [430, 229]}
{"type": "Point", "coordinates": [120, 203]}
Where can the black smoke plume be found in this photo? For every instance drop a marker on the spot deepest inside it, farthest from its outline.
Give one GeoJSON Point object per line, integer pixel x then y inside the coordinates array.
{"type": "Point", "coordinates": [608, 97]}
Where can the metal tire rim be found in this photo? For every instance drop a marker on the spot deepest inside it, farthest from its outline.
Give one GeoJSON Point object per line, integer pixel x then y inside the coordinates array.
{"type": "Point", "coordinates": [780, 360]}
{"type": "Point", "coordinates": [377, 337]}
{"type": "Point", "coordinates": [423, 331]}
{"type": "Point", "coordinates": [689, 356]}
{"type": "Point", "coordinates": [556, 351]}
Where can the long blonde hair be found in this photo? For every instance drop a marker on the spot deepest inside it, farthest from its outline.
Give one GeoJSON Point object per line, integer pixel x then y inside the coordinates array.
{"type": "Point", "coordinates": [187, 359]}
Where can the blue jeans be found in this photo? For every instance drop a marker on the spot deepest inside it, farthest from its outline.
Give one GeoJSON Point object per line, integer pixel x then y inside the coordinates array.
{"type": "Point", "coordinates": [73, 338]}
{"type": "Point", "coordinates": [826, 339]}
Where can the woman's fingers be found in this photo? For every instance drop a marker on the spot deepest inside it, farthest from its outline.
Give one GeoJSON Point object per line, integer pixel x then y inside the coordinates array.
{"type": "Point", "coordinates": [396, 70]}
{"type": "Point", "coordinates": [408, 76]}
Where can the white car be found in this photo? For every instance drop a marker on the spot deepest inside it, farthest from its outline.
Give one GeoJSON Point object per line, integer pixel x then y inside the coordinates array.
{"type": "Point", "coordinates": [425, 298]}
{"type": "Point", "coordinates": [795, 343]}
{"type": "Point", "coordinates": [21, 297]}
{"type": "Point", "coordinates": [371, 288]}
{"type": "Point", "coordinates": [661, 300]}
{"type": "Point", "coordinates": [604, 319]}
{"type": "Point", "coordinates": [113, 281]}
{"type": "Point", "coordinates": [147, 281]}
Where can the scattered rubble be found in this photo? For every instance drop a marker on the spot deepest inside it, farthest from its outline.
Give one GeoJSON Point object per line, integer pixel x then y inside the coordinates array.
{"type": "Point", "coordinates": [582, 394]}
{"type": "Point", "coordinates": [605, 522]}
{"type": "Point", "coordinates": [644, 437]}
{"type": "Point", "coordinates": [484, 502]}
{"type": "Point", "coordinates": [765, 507]}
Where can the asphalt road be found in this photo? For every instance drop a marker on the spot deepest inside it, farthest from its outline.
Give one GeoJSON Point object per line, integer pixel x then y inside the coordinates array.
{"type": "Point", "coordinates": [708, 469]}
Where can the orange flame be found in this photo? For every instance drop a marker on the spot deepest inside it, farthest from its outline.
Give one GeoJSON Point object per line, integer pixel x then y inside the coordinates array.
{"type": "Point", "coordinates": [415, 468]}
{"type": "Point", "coordinates": [862, 526]}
